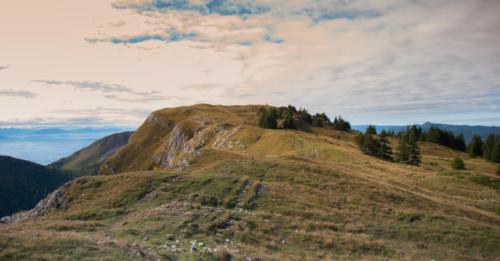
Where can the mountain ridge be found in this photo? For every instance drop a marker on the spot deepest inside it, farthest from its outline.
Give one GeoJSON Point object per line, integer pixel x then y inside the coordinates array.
{"type": "Point", "coordinates": [204, 182]}
{"type": "Point", "coordinates": [88, 160]}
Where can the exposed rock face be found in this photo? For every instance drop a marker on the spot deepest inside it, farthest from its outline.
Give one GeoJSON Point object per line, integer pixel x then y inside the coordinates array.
{"type": "Point", "coordinates": [226, 139]}
{"type": "Point", "coordinates": [174, 138]}
{"type": "Point", "coordinates": [182, 147]}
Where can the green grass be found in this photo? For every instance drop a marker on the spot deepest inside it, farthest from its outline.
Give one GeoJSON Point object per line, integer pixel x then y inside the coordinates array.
{"type": "Point", "coordinates": [487, 181]}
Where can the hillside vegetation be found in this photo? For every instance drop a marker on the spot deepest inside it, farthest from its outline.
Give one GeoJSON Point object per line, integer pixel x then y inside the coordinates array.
{"type": "Point", "coordinates": [206, 183]}
{"type": "Point", "coordinates": [23, 184]}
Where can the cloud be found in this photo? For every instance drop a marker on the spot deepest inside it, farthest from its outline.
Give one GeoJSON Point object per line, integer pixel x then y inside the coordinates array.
{"type": "Point", "coordinates": [4, 67]}
{"type": "Point", "coordinates": [220, 7]}
{"type": "Point", "coordinates": [89, 85]}
{"type": "Point", "coordinates": [17, 93]}
{"type": "Point", "coordinates": [113, 91]}
{"type": "Point", "coordinates": [94, 117]}
{"type": "Point", "coordinates": [168, 37]}
{"type": "Point", "coordinates": [384, 62]}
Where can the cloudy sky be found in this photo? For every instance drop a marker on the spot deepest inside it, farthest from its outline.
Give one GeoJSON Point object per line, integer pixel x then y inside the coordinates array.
{"type": "Point", "coordinates": [111, 62]}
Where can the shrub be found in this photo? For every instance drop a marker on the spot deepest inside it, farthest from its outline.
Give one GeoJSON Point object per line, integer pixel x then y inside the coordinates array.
{"type": "Point", "coordinates": [458, 164]}
{"type": "Point", "coordinates": [498, 171]}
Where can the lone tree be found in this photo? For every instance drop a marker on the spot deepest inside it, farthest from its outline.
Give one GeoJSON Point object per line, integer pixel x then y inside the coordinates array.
{"type": "Point", "coordinates": [476, 147]}
{"type": "Point", "coordinates": [458, 164]}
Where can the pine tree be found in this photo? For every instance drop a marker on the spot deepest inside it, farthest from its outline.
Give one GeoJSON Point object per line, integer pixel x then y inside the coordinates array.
{"type": "Point", "coordinates": [489, 146]}
{"type": "Point", "coordinates": [262, 117]}
{"type": "Point", "coordinates": [475, 147]}
{"type": "Point", "coordinates": [408, 150]}
{"type": "Point", "coordinates": [403, 152]}
{"type": "Point", "coordinates": [272, 118]}
{"type": "Point", "coordinates": [341, 124]}
{"type": "Point", "coordinates": [289, 123]}
{"type": "Point", "coordinates": [460, 143]}
{"type": "Point", "coordinates": [385, 150]}
{"type": "Point", "coordinates": [495, 155]}
{"type": "Point", "coordinates": [413, 149]}
{"type": "Point", "coordinates": [372, 130]}
{"type": "Point", "coordinates": [368, 144]}
{"type": "Point", "coordinates": [268, 118]}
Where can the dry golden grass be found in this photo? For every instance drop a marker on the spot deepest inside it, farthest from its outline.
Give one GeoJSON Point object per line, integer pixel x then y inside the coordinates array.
{"type": "Point", "coordinates": [285, 195]}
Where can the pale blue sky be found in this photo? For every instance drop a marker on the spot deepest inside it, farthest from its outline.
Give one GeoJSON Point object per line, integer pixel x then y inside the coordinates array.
{"type": "Point", "coordinates": [112, 62]}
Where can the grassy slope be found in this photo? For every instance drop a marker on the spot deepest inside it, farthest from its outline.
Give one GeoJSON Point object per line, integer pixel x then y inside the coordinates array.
{"type": "Point", "coordinates": [286, 195]}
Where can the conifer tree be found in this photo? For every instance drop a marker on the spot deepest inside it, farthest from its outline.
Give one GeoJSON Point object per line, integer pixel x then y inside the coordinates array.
{"type": "Point", "coordinates": [489, 146]}
{"type": "Point", "coordinates": [408, 150]}
{"type": "Point", "coordinates": [475, 147]}
{"type": "Point", "coordinates": [495, 155]}
{"type": "Point", "coordinates": [372, 130]}
{"type": "Point", "coordinates": [341, 124]}
{"type": "Point", "coordinates": [385, 150]}
{"type": "Point", "coordinates": [268, 118]}
{"type": "Point", "coordinates": [289, 123]}
{"type": "Point", "coordinates": [403, 152]}
{"type": "Point", "coordinates": [460, 143]}
{"type": "Point", "coordinates": [413, 149]}
{"type": "Point", "coordinates": [272, 118]}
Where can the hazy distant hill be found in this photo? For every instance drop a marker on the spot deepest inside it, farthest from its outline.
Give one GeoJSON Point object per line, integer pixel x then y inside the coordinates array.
{"type": "Point", "coordinates": [46, 145]}
{"type": "Point", "coordinates": [23, 184]}
{"type": "Point", "coordinates": [88, 160]}
{"type": "Point", "coordinates": [468, 131]}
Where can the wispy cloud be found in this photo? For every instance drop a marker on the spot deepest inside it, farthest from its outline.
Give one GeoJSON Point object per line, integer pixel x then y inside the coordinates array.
{"type": "Point", "coordinates": [389, 61]}
{"type": "Point", "coordinates": [113, 91]}
{"type": "Point", "coordinates": [167, 37]}
{"type": "Point", "coordinates": [17, 93]}
{"type": "Point", "coordinates": [89, 85]}
{"type": "Point", "coordinates": [220, 7]}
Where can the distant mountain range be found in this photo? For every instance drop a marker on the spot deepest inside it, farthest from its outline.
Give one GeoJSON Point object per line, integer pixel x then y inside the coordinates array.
{"type": "Point", "coordinates": [46, 145]}
{"type": "Point", "coordinates": [24, 183]}
{"type": "Point", "coordinates": [467, 130]}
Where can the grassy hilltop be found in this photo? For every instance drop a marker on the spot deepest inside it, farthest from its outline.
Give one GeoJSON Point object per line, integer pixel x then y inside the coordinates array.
{"type": "Point", "coordinates": [206, 183]}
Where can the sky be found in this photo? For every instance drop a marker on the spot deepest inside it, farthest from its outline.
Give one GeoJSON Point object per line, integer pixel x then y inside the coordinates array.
{"type": "Point", "coordinates": [112, 62]}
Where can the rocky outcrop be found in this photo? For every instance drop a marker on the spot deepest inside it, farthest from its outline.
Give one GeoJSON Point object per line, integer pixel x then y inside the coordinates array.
{"type": "Point", "coordinates": [55, 200]}
{"type": "Point", "coordinates": [184, 145]}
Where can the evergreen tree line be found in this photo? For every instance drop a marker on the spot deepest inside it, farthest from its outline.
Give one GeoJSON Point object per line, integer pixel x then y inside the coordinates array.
{"type": "Point", "coordinates": [379, 146]}
{"type": "Point", "coordinates": [489, 149]}
{"type": "Point", "coordinates": [435, 135]}
{"type": "Point", "coordinates": [288, 117]}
